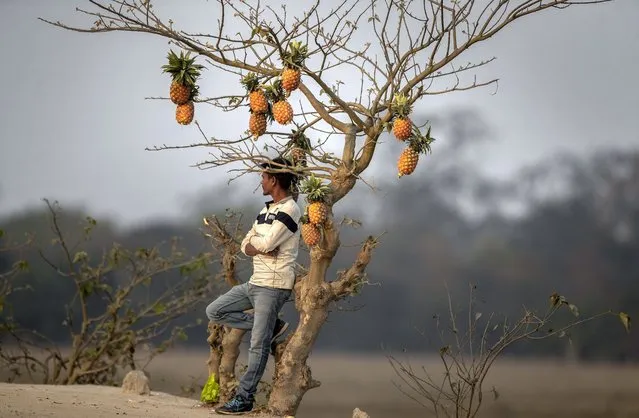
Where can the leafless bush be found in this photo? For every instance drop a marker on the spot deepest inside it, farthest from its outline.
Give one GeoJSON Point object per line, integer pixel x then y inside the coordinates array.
{"type": "Point", "coordinates": [471, 344]}
{"type": "Point", "coordinates": [123, 313]}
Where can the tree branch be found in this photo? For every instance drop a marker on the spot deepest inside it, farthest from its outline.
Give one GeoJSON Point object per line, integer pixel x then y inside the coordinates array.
{"type": "Point", "coordinates": [351, 280]}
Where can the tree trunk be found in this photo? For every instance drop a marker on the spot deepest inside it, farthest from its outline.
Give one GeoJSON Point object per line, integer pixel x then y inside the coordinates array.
{"type": "Point", "coordinates": [313, 295]}
{"type": "Point", "coordinates": [216, 333]}
{"type": "Point", "coordinates": [225, 349]}
{"type": "Point", "coordinates": [224, 342]}
{"type": "Point", "coordinates": [293, 376]}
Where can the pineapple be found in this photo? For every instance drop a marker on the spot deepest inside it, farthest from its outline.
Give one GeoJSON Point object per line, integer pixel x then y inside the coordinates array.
{"type": "Point", "coordinates": [298, 156]}
{"type": "Point", "coordinates": [419, 144]}
{"type": "Point", "coordinates": [315, 195]}
{"type": "Point", "coordinates": [317, 212]}
{"type": "Point", "coordinates": [179, 93]}
{"type": "Point", "coordinates": [291, 78]}
{"type": "Point", "coordinates": [299, 147]}
{"type": "Point", "coordinates": [310, 233]}
{"type": "Point", "coordinates": [258, 102]}
{"type": "Point", "coordinates": [184, 75]}
{"type": "Point", "coordinates": [257, 98]}
{"type": "Point", "coordinates": [293, 62]}
{"type": "Point", "coordinates": [257, 124]}
{"type": "Point", "coordinates": [402, 128]}
{"type": "Point", "coordinates": [184, 113]}
{"type": "Point", "coordinates": [402, 125]}
{"type": "Point", "coordinates": [282, 110]}
{"type": "Point", "coordinates": [407, 161]}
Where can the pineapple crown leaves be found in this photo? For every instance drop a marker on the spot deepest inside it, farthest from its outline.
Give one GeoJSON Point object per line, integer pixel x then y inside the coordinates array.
{"type": "Point", "coordinates": [400, 106]}
{"type": "Point", "coordinates": [274, 91]}
{"type": "Point", "coordinates": [182, 68]}
{"type": "Point", "coordinates": [250, 82]}
{"type": "Point", "coordinates": [419, 142]}
{"type": "Point", "coordinates": [269, 113]}
{"type": "Point", "coordinates": [296, 54]}
{"type": "Point", "coordinates": [314, 189]}
{"type": "Point", "coordinates": [304, 218]}
{"type": "Point", "coordinates": [299, 139]}
{"type": "Point", "coordinates": [194, 93]}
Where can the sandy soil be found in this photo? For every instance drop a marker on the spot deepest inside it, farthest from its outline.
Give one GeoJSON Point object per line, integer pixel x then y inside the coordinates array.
{"type": "Point", "coordinates": [22, 400]}
{"type": "Point", "coordinates": [528, 389]}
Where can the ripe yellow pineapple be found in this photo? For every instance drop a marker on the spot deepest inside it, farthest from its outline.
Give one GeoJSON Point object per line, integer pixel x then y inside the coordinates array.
{"type": "Point", "coordinates": [184, 113]}
{"type": "Point", "coordinates": [257, 98]}
{"type": "Point", "coordinates": [257, 124]}
{"type": "Point", "coordinates": [291, 78]}
{"type": "Point", "coordinates": [316, 197]}
{"type": "Point", "coordinates": [402, 128]}
{"type": "Point", "coordinates": [407, 162]}
{"type": "Point", "coordinates": [310, 233]}
{"type": "Point", "coordinates": [258, 102]}
{"type": "Point", "coordinates": [402, 125]}
{"type": "Point", "coordinates": [293, 61]}
{"type": "Point", "coordinates": [317, 212]}
{"type": "Point", "coordinates": [282, 110]}
{"type": "Point", "coordinates": [179, 93]}
{"type": "Point", "coordinates": [184, 74]}
{"type": "Point", "coordinates": [419, 144]}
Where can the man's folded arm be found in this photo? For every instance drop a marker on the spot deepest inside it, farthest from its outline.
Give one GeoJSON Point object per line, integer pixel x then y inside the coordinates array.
{"type": "Point", "coordinates": [283, 227]}
{"type": "Point", "coordinates": [247, 239]}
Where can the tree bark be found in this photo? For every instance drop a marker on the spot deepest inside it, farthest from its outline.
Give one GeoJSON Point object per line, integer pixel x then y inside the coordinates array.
{"type": "Point", "coordinates": [224, 342]}
{"type": "Point", "coordinates": [293, 377]}
{"type": "Point", "coordinates": [216, 333]}
{"type": "Point", "coordinates": [225, 349]}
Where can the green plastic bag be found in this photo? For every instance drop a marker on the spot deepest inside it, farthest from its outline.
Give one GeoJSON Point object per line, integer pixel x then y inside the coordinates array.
{"type": "Point", "coordinates": [210, 391]}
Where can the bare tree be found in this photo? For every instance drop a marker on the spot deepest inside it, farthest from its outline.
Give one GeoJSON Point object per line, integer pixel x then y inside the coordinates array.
{"type": "Point", "coordinates": [363, 65]}
{"type": "Point", "coordinates": [224, 342]}
{"type": "Point", "coordinates": [471, 344]}
{"type": "Point", "coordinates": [123, 312]}
{"type": "Point", "coordinates": [9, 276]}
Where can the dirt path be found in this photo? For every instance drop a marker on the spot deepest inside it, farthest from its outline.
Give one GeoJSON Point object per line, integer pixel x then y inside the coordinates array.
{"type": "Point", "coordinates": [23, 400]}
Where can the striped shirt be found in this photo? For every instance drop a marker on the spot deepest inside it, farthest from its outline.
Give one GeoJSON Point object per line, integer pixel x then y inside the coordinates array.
{"type": "Point", "coordinates": [276, 226]}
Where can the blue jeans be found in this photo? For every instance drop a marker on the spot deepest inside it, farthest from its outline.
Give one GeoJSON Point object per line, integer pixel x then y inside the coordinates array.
{"type": "Point", "coordinates": [228, 309]}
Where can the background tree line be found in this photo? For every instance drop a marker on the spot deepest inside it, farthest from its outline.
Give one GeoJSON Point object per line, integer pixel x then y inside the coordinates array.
{"type": "Point", "coordinates": [577, 234]}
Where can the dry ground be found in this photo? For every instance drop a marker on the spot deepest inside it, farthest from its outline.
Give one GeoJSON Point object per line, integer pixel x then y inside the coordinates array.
{"type": "Point", "coordinates": [527, 389]}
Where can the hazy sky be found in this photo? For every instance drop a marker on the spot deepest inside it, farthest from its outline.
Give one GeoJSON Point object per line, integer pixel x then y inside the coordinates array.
{"type": "Point", "coordinates": [75, 122]}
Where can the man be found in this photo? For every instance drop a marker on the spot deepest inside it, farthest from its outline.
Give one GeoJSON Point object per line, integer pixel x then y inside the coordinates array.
{"type": "Point", "coordinates": [273, 243]}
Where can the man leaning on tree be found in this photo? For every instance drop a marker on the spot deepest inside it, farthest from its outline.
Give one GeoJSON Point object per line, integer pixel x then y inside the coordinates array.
{"type": "Point", "coordinates": [273, 243]}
